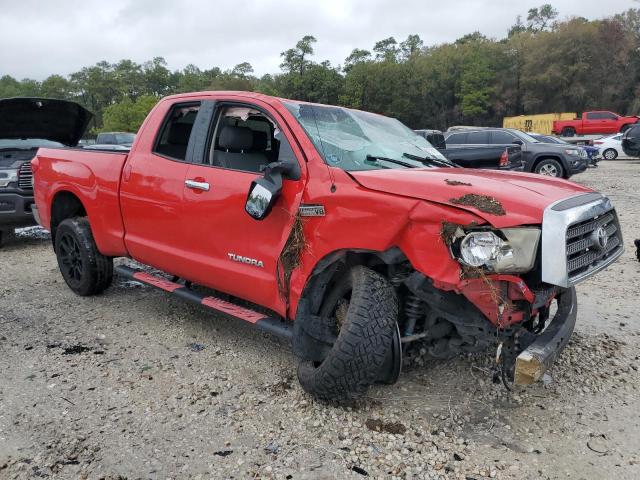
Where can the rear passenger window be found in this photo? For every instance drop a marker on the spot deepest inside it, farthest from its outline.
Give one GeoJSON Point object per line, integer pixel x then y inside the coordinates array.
{"type": "Point", "coordinates": [246, 139]}
{"type": "Point", "coordinates": [502, 138]}
{"type": "Point", "coordinates": [475, 138]}
{"type": "Point", "coordinates": [174, 136]}
{"type": "Point", "coordinates": [457, 139]}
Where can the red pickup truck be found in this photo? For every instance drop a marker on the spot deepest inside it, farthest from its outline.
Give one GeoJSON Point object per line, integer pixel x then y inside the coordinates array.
{"type": "Point", "coordinates": [593, 123]}
{"type": "Point", "coordinates": [339, 230]}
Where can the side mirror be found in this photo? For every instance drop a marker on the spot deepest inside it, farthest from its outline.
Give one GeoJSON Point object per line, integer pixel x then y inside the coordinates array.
{"type": "Point", "coordinates": [264, 191]}
{"type": "Point", "coordinates": [517, 142]}
{"type": "Point", "coordinates": [262, 195]}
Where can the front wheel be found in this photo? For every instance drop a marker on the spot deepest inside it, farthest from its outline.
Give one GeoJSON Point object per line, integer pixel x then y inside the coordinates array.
{"type": "Point", "coordinates": [363, 311]}
{"type": "Point", "coordinates": [85, 270]}
{"type": "Point", "coordinates": [568, 132]}
{"type": "Point", "coordinates": [610, 154]}
{"type": "Point", "coordinates": [550, 168]}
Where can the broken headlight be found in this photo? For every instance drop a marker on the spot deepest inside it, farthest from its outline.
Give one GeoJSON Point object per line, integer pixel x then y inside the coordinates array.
{"type": "Point", "coordinates": [510, 250]}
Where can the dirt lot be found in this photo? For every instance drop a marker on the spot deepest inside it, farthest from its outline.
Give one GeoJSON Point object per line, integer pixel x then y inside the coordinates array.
{"type": "Point", "coordinates": [134, 384]}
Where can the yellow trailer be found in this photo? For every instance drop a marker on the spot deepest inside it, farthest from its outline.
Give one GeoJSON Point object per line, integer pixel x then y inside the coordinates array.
{"type": "Point", "coordinates": [542, 123]}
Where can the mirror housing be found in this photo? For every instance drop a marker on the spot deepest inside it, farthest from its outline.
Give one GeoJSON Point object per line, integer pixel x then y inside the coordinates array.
{"type": "Point", "coordinates": [517, 142]}
{"type": "Point", "coordinates": [264, 191]}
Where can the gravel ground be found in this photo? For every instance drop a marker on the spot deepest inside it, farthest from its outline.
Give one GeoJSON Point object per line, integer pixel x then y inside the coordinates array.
{"type": "Point", "coordinates": [135, 384]}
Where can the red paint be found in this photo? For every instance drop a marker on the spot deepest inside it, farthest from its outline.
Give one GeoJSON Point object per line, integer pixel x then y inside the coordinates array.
{"type": "Point", "coordinates": [588, 126]}
{"type": "Point", "coordinates": [233, 310]}
{"type": "Point", "coordinates": [159, 282]}
{"type": "Point", "coordinates": [138, 207]}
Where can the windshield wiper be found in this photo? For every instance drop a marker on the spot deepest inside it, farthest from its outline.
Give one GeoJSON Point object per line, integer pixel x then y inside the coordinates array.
{"type": "Point", "coordinates": [374, 158]}
{"type": "Point", "coordinates": [431, 159]}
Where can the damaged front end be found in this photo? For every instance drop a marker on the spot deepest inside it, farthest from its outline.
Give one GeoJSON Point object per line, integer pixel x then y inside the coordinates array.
{"type": "Point", "coordinates": [516, 289]}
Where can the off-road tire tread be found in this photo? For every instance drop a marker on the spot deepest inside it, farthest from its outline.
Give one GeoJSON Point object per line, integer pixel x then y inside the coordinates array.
{"type": "Point", "coordinates": [99, 275]}
{"type": "Point", "coordinates": [354, 362]}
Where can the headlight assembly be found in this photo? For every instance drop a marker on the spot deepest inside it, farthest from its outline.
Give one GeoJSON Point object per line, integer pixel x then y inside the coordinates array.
{"type": "Point", "coordinates": [510, 250]}
{"type": "Point", "coordinates": [572, 151]}
{"type": "Point", "coordinates": [7, 176]}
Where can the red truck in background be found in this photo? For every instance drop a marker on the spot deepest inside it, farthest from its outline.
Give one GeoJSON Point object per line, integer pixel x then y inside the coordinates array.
{"type": "Point", "coordinates": [339, 230]}
{"type": "Point", "coordinates": [593, 123]}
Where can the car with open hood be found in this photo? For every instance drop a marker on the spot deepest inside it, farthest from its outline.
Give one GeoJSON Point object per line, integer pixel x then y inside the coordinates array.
{"type": "Point", "coordinates": [27, 124]}
{"type": "Point", "coordinates": [341, 231]}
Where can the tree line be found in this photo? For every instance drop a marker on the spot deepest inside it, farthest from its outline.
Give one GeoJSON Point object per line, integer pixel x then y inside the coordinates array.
{"type": "Point", "coordinates": [542, 65]}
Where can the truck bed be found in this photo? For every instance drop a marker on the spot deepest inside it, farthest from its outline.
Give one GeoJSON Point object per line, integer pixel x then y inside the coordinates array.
{"type": "Point", "coordinates": [88, 174]}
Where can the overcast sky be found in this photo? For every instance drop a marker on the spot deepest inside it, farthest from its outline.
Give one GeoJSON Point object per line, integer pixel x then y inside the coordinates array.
{"type": "Point", "coordinates": [41, 37]}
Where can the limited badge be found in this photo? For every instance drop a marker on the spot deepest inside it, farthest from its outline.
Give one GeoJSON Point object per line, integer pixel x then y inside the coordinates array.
{"type": "Point", "coordinates": [311, 210]}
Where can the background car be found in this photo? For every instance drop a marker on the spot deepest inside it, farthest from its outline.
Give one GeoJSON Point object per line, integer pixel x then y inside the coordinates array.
{"type": "Point", "coordinates": [592, 152]}
{"type": "Point", "coordinates": [631, 142]}
{"type": "Point", "coordinates": [610, 147]}
{"type": "Point", "coordinates": [115, 138]}
{"type": "Point", "coordinates": [549, 159]}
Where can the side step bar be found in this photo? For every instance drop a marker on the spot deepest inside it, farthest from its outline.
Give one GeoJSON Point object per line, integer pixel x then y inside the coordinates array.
{"type": "Point", "coordinates": [272, 325]}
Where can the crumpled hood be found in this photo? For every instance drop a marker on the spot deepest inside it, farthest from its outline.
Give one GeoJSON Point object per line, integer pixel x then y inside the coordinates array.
{"type": "Point", "coordinates": [523, 196]}
{"type": "Point", "coordinates": [57, 120]}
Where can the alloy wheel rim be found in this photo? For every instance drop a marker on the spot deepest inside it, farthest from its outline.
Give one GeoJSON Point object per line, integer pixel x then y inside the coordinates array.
{"type": "Point", "coordinates": [609, 154]}
{"type": "Point", "coordinates": [70, 258]}
{"type": "Point", "coordinates": [549, 170]}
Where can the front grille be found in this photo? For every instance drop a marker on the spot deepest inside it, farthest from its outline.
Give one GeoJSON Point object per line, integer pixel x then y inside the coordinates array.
{"type": "Point", "coordinates": [25, 176]}
{"type": "Point", "coordinates": [591, 242]}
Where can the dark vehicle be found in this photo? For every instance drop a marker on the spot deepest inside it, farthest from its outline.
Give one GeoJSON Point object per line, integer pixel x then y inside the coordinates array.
{"type": "Point", "coordinates": [434, 137]}
{"type": "Point", "coordinates": [27, 124]}
{"type": "Point", "coordinates": [631, 141]}
{"type": "Point", "coordinates": [592, 152]}
{"type": "Point", "coordinates": [115, 138]}
{"type": "Point", "coordinates": [560, 161]}
{"type": "Point", "coordinates": [487, 156]}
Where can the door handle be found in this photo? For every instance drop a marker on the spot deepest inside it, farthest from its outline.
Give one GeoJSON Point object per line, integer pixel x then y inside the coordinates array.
{"type": "Point", "coordinates": [193, 184]}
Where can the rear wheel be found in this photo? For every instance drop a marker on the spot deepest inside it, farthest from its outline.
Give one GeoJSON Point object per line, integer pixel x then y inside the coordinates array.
{"type": "Point", "coordinates": [550, 168]}
{"type": "Point", "coordinates": [610, 154]}
{"type": "Point", "coordinates": [85, 270]}
{"type": "Point", "coordinates": [568, 132]}
{"type": "Point", "coordinates": [363, 311]}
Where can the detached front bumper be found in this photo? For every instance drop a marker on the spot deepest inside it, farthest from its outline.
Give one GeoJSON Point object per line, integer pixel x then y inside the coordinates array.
{"type": "Point", "coordinates": [538, 357]}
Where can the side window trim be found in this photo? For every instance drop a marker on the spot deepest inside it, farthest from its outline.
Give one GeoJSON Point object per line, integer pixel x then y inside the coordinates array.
{"type": "Point", "coordinates": [166, 121]}
{"type": "Point", "coordinates": [219, 106]}
{"type": "Point", "coordinates": [199, 138]}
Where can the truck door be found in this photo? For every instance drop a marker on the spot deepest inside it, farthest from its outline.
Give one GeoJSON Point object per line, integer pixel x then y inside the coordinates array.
{"type": "Point", "coordinates": [229, 250]}
{"type": "Point", "coordinates": [152, 187]}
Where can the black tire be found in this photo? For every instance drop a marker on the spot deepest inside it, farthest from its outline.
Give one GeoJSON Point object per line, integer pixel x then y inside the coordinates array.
{"type": "Point", "coordinates": [550, 168]}
{"type": "Point", "coordinates": [83, 267]}
{"type": "Point", "coordinates": [364, 339]}
{"type": "Point", "coordinates": [568, 132]}
{"type": "Point", "coordinates": [624, 128]}
{"type": "Point", "coordinates": [610, 154]}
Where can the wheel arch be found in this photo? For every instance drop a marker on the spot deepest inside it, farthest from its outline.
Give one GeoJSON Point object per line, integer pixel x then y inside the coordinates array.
{"type": "Point", "coordinates": [327, 271]}
{"type": "Point", "coordinates": [65, 204]}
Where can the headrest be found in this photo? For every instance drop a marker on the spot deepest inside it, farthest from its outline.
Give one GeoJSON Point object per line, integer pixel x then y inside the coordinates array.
{"type": "Point", "coordinates": [235, 138]}
{"type": "Point", "coordinates": [259, 141]}
{"type": "Point", "coordinates": [179, 133]}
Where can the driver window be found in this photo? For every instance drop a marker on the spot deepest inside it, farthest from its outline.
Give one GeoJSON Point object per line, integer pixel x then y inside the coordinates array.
{"type": "Point", "coordinates": [245, 139]}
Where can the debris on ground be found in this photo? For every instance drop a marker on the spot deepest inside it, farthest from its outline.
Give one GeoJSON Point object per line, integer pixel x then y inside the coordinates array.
{"type": "Point", "coordinates": [377, 425]}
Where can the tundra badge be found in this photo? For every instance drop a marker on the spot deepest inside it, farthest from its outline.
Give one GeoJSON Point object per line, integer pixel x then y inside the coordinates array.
{"type": "Point", "coordinates": [247, 260]}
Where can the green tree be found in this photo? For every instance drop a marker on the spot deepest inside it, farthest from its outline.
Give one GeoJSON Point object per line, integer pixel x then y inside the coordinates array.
{"type": "Point", "coordinates": [128, 115]}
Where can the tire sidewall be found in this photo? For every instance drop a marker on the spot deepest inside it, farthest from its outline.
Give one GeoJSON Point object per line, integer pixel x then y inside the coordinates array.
{"type": "Point", "coordinates": [553, 162]}
{"type": "Point", "coordinates": [76, 229]}
{"type": "Point", "coordinates": [343, 378]}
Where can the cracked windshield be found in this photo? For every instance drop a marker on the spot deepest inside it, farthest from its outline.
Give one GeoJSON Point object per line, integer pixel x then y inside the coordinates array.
{"type": "Point", "coordinates": [355, 140]}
